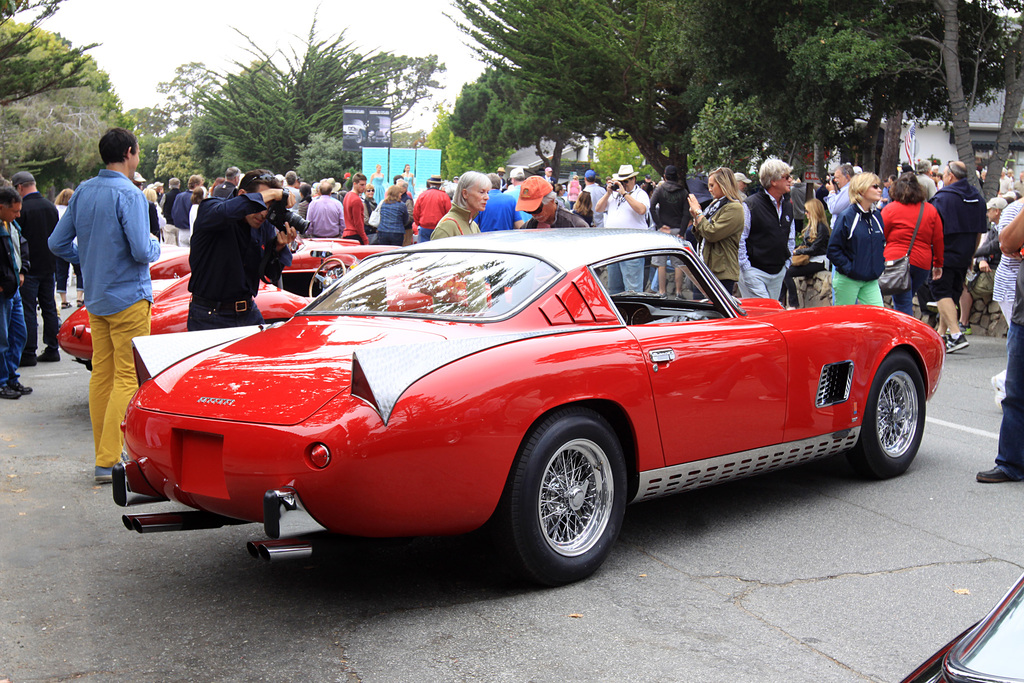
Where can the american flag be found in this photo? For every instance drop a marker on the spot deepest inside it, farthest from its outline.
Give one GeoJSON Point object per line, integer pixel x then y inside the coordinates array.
{"type": "Point", "coordinates": [910, 142]}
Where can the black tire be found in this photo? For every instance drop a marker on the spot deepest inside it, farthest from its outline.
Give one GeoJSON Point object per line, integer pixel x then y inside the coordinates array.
{"type": "Point", "coordinates": [893, 420]}
{"type": "Point", "coordinates": [555, 531]}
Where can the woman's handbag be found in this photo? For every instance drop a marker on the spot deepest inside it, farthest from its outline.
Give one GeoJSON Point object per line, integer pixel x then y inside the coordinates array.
{"type": "Point", "coordinates": [982, 286]}
{"type": "Point", "coordinates": [374, 220]}
{"type": "Point", "coordinates": [895, 279]}
{"type": "Point", "coordinates": [800, 259]}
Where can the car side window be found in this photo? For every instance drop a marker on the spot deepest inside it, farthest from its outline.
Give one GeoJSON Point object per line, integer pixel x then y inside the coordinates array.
{"type": "Point", "coordinates": [660, 288]}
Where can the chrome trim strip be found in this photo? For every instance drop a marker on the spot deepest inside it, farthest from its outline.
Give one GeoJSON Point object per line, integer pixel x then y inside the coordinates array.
{"type": "Point", "coordinates": [702, 473]}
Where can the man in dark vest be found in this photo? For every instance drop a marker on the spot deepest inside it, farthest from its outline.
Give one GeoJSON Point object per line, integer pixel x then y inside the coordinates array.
{"type": "Point", "coordinates": [768, 237]}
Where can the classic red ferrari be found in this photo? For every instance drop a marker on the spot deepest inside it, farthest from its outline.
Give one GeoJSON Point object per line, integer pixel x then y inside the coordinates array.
{"type": "Point", "coordinates": [503, 379]}
{"type": "Point", "coordinates": [170, 314]}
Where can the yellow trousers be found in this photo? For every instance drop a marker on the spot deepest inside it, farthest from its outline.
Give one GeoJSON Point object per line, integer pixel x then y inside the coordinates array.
{"type": "Point", "coordinates": [113, 381]}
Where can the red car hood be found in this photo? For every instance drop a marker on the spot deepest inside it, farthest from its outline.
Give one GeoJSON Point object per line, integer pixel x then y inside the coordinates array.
{"type": "Point", "coordinates": [279, 376]}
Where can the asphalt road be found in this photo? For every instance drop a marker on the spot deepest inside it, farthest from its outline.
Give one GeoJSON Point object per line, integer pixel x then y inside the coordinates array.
{"type": "Point", "coordinates": [809, 574]}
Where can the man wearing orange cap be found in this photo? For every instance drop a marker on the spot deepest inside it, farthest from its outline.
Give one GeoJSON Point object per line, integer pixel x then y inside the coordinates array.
{"type": "Point", "coordinates": [538, 198]}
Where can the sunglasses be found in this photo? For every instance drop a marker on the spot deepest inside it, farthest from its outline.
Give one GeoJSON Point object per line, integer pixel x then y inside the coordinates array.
{"type": "Point", "coordinates": [877, 186]}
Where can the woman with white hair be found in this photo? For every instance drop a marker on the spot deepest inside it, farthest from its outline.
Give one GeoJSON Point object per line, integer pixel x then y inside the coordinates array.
{"type": "Point", "coordinates": [470, 198]}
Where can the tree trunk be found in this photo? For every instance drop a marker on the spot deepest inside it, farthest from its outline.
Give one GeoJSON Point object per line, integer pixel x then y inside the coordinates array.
{"type": "Point", "coordinates": [556, 157]}
{"type": "Point", "coordinates": [891, 145]}
{"type": "Point", "coordinates": [1013, 75]}
{"type": "Point", "coordinates": [959, 111]}
{"type": "Point", "coordinates": [870, 139]}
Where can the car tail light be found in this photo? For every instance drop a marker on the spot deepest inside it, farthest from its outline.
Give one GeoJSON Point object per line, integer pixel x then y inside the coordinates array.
{"type": "Point", "coordinates": [319, 455]}
{"type": "Point", "coordinates": [77, 331]}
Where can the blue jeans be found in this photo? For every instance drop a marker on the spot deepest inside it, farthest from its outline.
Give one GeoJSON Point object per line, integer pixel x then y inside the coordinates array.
{"type": "Point", "coordinates": [12, 337]}
{"type": "Point", "coordinates": [626, 276]}
{"type": "Point", "coordinates": [757, 284]}
{"type": "Point", "coordinates": [904, 301]}
{"type": "Point", "coordinates": [393, 239]}
{"type": "Point", "coordinates": [40, 289]}
{"type": "Point", "coordinates": [1011, 432]}
{"type": "Point", "coordinates": [206, 318]}
{"type": "Point", "coordinates": [425, 234]}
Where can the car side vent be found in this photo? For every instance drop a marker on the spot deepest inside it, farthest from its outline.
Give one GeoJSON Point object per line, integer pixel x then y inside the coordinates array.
{"type": "Point", "coordinates": [834, 383]}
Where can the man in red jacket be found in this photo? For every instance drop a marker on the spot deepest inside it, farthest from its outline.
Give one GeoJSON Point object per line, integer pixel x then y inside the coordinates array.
{"type": "Point", "coordinates": [431, 206]}
{"type": "Point", "coordinates": [353, 208]}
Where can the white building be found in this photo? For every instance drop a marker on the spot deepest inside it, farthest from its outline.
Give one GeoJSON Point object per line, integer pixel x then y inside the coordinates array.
{"type": "Point", "coordinates": [935, 138]}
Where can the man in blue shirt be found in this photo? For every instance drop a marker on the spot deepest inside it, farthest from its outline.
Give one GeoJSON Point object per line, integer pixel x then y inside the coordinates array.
{"type": "Point", "coordinates": [110, 218]}
{"type": "Point", "coordinates": [500, 213]}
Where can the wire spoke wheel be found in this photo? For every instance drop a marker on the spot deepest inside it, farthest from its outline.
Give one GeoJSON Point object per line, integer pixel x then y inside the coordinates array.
{"type": "Point", "coordinates": [890, 435]}
{"type": "Point", "coordinates": [897, 414]}
{"type": "Point", "coordinates": [575, 499]}
{"type": "Point", "coordinates": [564, 500]}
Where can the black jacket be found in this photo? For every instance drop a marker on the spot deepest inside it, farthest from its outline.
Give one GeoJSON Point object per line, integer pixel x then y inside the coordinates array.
{"type": "Point", "coordinates": [169, 203]}
{"type": "Point", "coordinates": [818, 246]}
{"type": "Point", "coordinates": [669, 205]}
{"type": "Point", "coordinates": [38, 219]}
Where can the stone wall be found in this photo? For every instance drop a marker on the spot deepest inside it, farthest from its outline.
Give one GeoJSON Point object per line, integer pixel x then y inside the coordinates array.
{"type": "Point", "coordinates": [986, 316]}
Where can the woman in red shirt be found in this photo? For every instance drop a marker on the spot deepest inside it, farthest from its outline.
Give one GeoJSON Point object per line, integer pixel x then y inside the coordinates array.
{"type": "Point", "coordinates": [899, 218]}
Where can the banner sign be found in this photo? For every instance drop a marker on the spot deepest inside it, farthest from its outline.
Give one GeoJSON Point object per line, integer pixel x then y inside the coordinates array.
{"type": "Point", "coordinates": [365, 127]}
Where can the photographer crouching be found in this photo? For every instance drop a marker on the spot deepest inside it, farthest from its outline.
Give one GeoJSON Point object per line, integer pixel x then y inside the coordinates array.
{"type": "Point", "coordinates": [235, 242]}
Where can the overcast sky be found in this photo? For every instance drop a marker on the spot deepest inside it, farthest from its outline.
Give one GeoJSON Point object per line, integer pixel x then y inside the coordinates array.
{"type": "Point", "coordinates": [161, 36]}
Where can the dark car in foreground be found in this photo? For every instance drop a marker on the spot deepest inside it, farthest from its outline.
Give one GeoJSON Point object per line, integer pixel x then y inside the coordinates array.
{"type": "Point", "coordinates": [988, 652]}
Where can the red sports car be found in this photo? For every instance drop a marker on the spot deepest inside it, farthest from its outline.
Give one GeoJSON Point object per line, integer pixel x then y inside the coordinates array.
{"type": "Point", "coordinates": [170, 314]}
{"type": "Point", "coordinates": [502, 379]}
{"type": "Point", "coordinates": [311, 257]}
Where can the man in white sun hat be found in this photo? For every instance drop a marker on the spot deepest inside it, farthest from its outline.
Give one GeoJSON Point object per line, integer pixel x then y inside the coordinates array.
{"type": "Point", "coordinates": [625, 205]}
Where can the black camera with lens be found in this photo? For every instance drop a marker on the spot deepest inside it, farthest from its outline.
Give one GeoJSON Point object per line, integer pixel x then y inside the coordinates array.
{"type": "Point", "coordinates": [277, 214]}
{"type": "Point", "coordinates": [616, 186]}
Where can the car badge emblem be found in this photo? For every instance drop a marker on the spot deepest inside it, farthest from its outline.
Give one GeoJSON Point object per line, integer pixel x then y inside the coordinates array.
{"type": "Point", "coordinates": [218, 401]}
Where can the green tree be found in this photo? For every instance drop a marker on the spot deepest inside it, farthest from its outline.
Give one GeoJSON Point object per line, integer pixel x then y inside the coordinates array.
{"type": "Point", "coordinates": [150, 121]}
{"type": "Point", "coordinates": [33, 61]}
{"type": "Point", "coordinates": [325, 157]}
{"type": "Point", "coordinates": [499, 114]}
{"type": "Point", "coordinates": [458, 154]}
{"type": "Point", "coordinates": [616, 149]}
{"type": "Point", "coordinates": [610, 63]}
{"type": "Point", "coordinates": [729, 134]}
{"type": "Point", "coordinates": [175, 158]}
{"type": "Point", "coordinates": [265, 113]}
{"type": "Point", "coordinates": [184, 93]}
{"type": "Point", "coordinates": [53, 134]}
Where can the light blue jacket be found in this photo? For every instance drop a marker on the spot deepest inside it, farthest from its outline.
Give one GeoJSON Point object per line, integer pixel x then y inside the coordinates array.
{"type": "Point", "coordinates": [110, 218]}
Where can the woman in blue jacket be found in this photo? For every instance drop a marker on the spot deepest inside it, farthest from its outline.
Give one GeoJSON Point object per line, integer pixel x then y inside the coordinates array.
{"type": "Point", "coordinates": [857, 245]}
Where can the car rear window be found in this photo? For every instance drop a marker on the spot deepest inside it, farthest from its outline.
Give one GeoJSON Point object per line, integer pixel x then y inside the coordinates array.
{"type": "Point", "coordinates": [438, 284]}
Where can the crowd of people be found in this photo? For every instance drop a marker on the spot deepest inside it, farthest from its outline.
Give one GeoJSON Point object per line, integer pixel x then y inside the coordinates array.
{"type": "Point", "coordinates": [853, 227]}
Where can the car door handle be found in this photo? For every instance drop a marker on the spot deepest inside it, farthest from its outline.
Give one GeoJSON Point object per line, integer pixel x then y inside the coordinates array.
{"type": "Point", "coordinates": [663, 356]}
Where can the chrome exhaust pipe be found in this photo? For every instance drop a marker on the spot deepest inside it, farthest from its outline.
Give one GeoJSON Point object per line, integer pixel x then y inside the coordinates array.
{"type": "Point", "coordinates": [285, 515]}
{"type": "Point", "coordinates": [283, 549]}
{"type": "Point", "coordinates": [129, 486]}
{"type": "Point", "coordinates": [176, 521]}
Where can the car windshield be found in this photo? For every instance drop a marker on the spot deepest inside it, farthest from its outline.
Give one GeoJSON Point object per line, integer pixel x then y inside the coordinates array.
{"type": "Point", "coordinates": [438, 284]}
{"type": "Point", "coordinates": [997, 652]}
